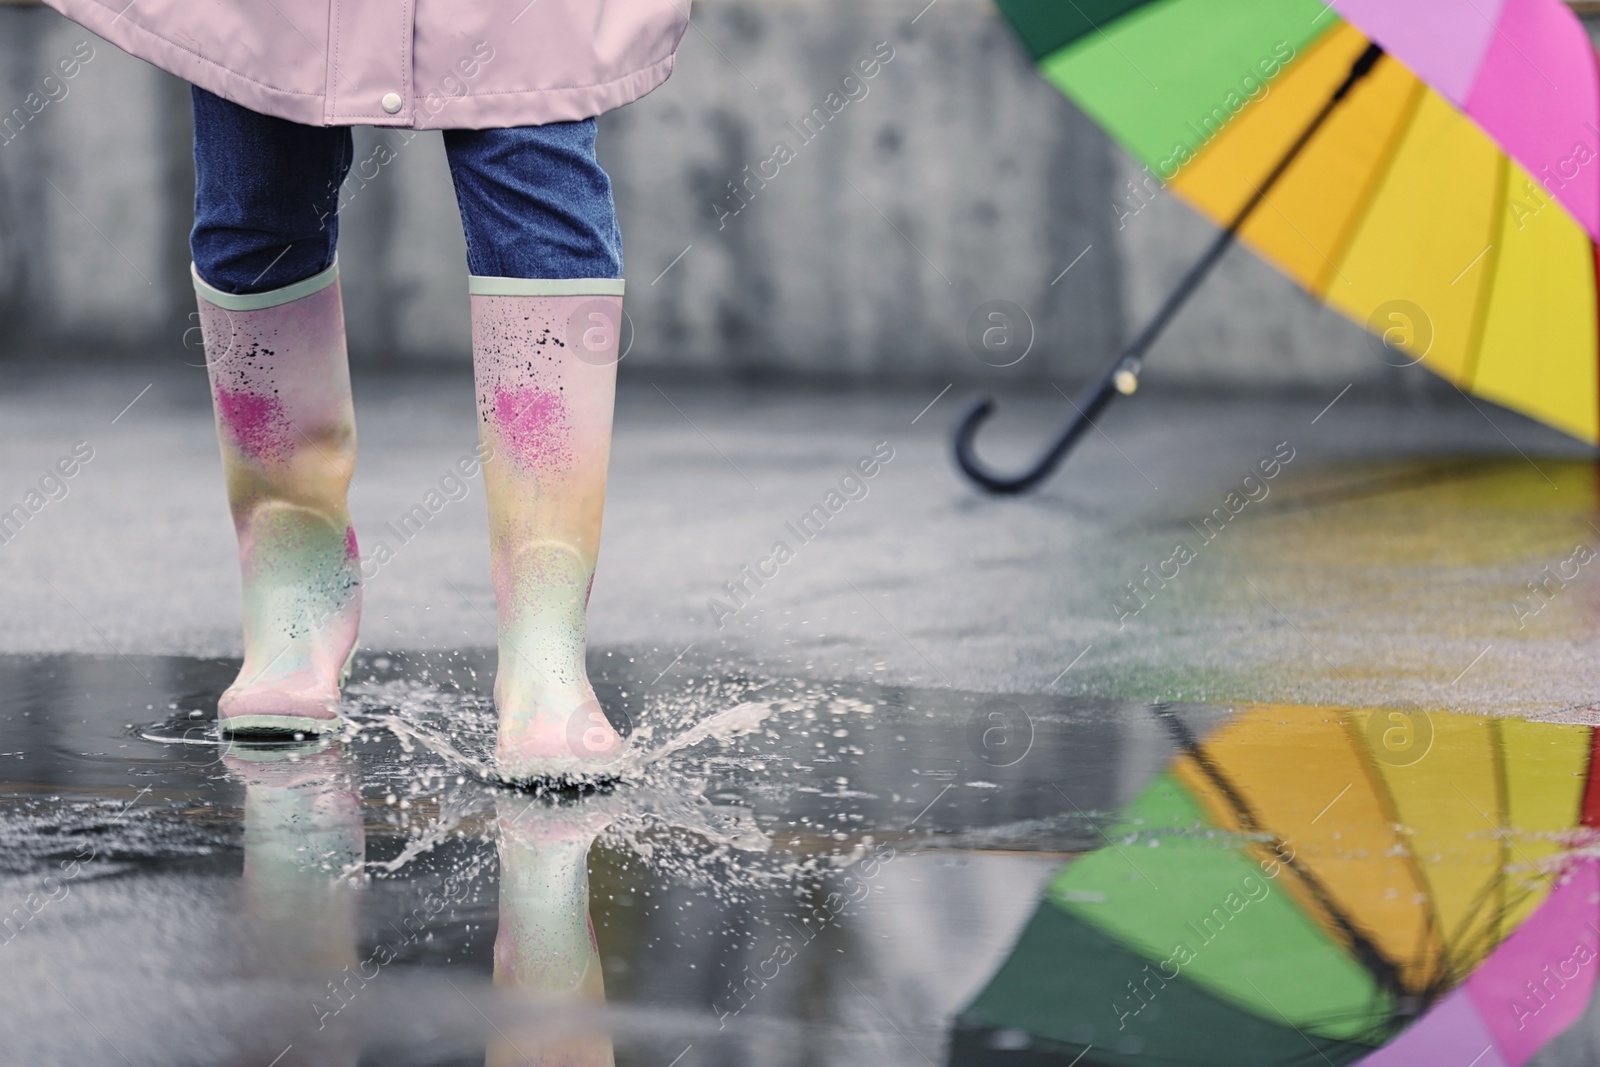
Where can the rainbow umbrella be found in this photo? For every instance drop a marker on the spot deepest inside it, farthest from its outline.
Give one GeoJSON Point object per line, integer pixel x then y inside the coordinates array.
{"type": "Point", "coordinates": [1427, 167]}
{"type": "Point", "coordinates": [1304, 887]}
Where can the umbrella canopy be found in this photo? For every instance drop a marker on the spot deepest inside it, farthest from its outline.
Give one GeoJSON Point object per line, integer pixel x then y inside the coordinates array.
{"type": "Point", "coordinates": [1304, 886]}
{"type": "Point", "coordinates": [1451, 203]}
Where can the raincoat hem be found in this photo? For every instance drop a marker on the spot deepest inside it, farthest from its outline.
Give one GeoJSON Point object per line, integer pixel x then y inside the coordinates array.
{"type": "Point", "coordinates": [530, 107]}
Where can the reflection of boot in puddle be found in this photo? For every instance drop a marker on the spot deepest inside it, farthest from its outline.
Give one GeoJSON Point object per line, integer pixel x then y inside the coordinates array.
{"type": "Point", "coordinates": [545, 946]}
{"type": "Point", "coordinates": [302, 840]}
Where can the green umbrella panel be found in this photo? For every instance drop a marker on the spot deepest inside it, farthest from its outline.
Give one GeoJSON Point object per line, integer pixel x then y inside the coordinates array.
{"type": "Point", "coordinates": [1177, 944]}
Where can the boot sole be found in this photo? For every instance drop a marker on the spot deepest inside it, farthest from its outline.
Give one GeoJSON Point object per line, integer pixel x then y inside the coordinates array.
{"type": "Point", "coordinates": [559, 775]}
{"type": "Point", "coordinates": [277, 727]}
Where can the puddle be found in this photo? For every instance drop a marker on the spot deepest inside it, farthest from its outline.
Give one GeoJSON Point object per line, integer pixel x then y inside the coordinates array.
{"type": "Point", "coordinates": [794, 873]}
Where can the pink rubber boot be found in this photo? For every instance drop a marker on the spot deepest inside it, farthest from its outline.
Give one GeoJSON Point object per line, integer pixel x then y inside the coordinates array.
{"type": "Point", "coordinates": [280, 382]}
{"type": "Point", "coordinates": [544, 357]}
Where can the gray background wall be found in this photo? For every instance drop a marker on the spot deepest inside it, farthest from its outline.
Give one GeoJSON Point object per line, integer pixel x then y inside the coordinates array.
{"type": "Point", "coordinates": [961, 177]}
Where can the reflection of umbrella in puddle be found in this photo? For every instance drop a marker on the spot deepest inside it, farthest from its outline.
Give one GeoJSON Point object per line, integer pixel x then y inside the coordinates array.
{"type": "Point", "coordinates": [1302, 887]}
{"type": "Point", "coordinates": [1529, 990]}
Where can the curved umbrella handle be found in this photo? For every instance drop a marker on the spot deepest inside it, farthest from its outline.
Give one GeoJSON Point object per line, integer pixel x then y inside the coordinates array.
{"type": "Point", "coordinates": [1122, 376]}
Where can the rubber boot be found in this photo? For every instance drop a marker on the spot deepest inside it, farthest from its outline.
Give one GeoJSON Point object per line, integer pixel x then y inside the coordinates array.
{"type": "Point", "coordinates": [544, 359]}
{"type": "Point", "coordinates": [280, 382]}
{"type": "Point", "coordinates": [545, 947]}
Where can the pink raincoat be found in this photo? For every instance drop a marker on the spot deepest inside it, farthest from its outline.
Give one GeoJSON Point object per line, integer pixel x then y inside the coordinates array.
{"type": "Point", "coordinates": [427, 64]}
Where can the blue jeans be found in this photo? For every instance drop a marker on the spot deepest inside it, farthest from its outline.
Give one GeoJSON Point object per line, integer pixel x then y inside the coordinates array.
{"type": "Point", "coordinates": [534, 200]}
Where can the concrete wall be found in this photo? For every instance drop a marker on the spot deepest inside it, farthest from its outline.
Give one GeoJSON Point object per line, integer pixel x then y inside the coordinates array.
{"type": "Point", "coordinates": [93, 192]}
{"type": "Point", "coordinates": [959, 178]}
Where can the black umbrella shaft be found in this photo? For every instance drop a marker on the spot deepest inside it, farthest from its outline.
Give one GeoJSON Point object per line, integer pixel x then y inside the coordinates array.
{"type": "Point", "coordinates": [1098, 393]}
{"type": "Point", "coordinates": [1197, 273]}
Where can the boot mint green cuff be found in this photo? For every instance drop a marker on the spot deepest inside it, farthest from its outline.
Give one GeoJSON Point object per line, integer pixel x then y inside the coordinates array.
{"type": "Point", "coordinates": [480, 285]}
{"type": "Point", "coordinates": [257, 301]}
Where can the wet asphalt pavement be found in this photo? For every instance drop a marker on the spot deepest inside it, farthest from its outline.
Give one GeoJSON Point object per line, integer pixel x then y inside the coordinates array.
{"type": "Point", "coordinates": [855, 787]}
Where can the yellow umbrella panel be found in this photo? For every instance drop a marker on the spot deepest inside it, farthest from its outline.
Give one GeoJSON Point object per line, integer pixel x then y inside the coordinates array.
{"type": "Point", "coordinates": [1404, 215]}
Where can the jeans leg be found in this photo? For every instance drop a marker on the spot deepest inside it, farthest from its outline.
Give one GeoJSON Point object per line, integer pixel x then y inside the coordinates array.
{"type": "Point", "coordinates": [535, 202]}
{"type": "Point", "coordinates": [266, 196]}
